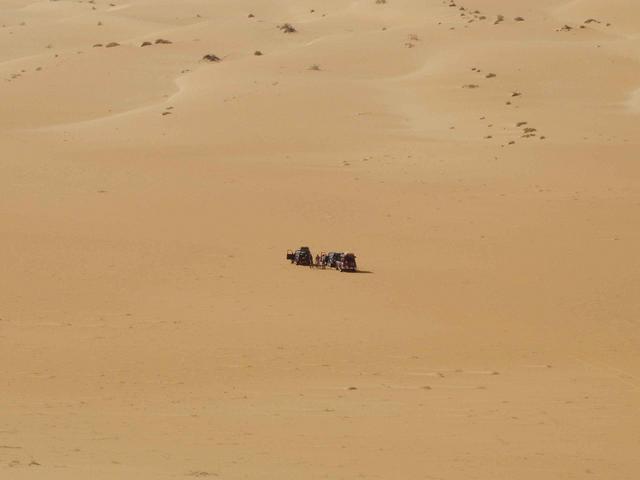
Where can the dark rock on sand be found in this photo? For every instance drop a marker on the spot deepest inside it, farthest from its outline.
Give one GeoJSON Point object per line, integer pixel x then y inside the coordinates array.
{"type": "Point", "coordinates": [287, 28]}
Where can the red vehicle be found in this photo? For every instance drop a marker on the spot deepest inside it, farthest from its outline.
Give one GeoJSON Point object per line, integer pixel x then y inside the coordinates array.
{"type": "Point", "coordinates": [347, 263]}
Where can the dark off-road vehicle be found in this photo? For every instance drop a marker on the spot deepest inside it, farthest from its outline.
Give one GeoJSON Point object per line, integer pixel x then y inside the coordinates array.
{"type": "Point", "coordinates": [302, 256]}
{"type": "Point", "coordinates": [331, 258]}
{"type": "Point", "coordinates": [347, 263]}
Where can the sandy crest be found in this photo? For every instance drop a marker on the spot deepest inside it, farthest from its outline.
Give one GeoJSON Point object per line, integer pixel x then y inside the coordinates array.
{"type": "Point", "coordinates": [484, 173]}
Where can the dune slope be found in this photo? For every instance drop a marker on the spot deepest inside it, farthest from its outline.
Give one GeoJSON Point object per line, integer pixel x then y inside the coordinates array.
{"type": "Point", "coordinates": [480, 157]}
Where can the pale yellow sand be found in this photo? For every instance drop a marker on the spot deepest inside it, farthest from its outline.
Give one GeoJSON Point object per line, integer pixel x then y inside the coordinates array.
{"type": "Point", "coordinates": [150, 327]}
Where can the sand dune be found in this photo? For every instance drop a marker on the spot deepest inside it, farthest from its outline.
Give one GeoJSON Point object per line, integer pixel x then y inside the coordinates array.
{"type": "Point", "coordinates": [479, 156]}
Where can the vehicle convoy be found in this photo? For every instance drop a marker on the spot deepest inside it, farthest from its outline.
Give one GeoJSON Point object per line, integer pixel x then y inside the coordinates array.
{"type": "Point", "coordinates": [347, 263]}
{"type": "Point", "coordinates": [301, 256]}
{"type": "Point", "coordinates": [343, 262]}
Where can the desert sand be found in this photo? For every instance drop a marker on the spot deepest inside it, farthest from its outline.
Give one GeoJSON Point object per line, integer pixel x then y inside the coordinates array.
{"type": "Point", "coordinates": [479, 156]}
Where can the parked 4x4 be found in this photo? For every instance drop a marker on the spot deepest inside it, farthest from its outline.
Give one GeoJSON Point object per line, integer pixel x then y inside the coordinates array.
{"type": "Point", "coordinates": [347, 263]}
{"type": "Point", "coordinates": [332, 258]}
{"type": "Point", "coordinates": [302, 256]}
